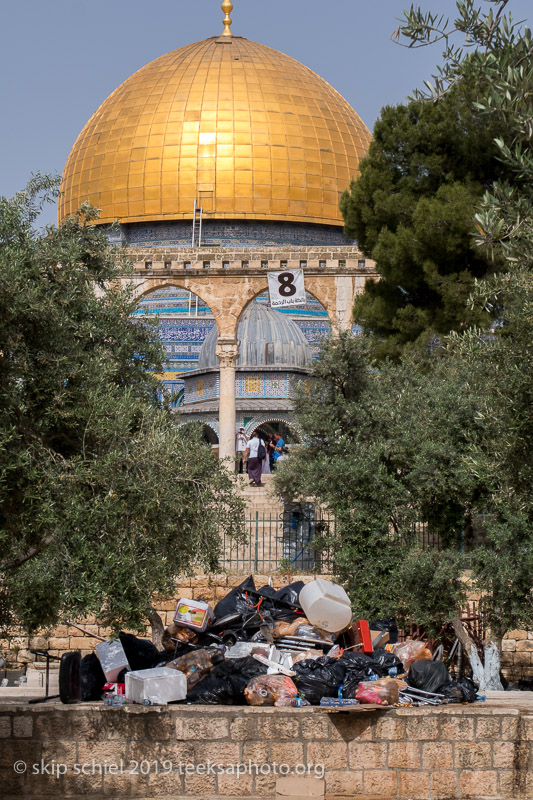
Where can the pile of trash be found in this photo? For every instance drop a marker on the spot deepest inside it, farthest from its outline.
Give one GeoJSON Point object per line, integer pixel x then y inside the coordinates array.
{"type": "Point", "coordinates": [292, 647]}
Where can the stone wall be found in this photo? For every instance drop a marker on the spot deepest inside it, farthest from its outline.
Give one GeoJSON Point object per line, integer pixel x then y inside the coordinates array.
{"type": "Point", "coordinates": [447, 752]}
{"type": "Point", "coordinates": [517, 655]}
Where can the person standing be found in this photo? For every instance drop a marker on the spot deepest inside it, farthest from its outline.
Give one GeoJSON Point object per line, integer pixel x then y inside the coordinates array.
{"type": "Point", "coordinates": [266, 460]}
{"type": "Point", "coordinates": [270, 452]}
{"type": "Point", "coordinates": [279, 444]}
{"type": "Point", "coordinates": [252, 457]}
{"type": "Point", "coordinates": [241, 443]}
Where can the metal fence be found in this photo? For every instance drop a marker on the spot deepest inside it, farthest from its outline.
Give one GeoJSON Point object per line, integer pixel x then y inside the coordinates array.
{"type": "Point", "coordinates": [465, 541]}
{"type": "Point", "coordinates": [301, 539]}
{"type": "Point", "coordinates": [292, 540]}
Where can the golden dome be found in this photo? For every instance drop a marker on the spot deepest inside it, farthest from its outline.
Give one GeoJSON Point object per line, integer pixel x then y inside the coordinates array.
{"type": "Point", "coordinates": [245, 130]}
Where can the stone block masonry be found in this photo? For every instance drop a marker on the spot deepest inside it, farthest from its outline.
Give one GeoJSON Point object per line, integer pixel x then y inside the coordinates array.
{"type": "Point", "coordinates": [517, 655]}
{"type": "Point", "coordinates": [218, 752]}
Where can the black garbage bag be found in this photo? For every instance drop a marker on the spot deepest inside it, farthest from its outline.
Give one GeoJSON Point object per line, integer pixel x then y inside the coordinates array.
{"type": "Point", "coordinates": [463, 691]}
{"type": "Point", "coordinates": [281, 604]}
{"type": "Point", "coordinates": [290, 594]}
{"type": "Point", "coordinates": [469, 689]}
{"type": "Point", "coordinates": [319, 678]}
{"type": "Point", "coordinates": [428, 675]}
{"type": "Point", "coordinates": [141, 653]}
{"type": "Point", "coordinates": [267, 592]}
{"type": "Point", "coordinates": [92, 678]}
{"type": "Point", "coordinates": [361, 662]}
{"type": "Point", "coordinates": [234, 602]}
{"type": "Point", "coordinates": [387, 661]}
{"type": "Point", "coordinates": [452, 693]}
{"type": "Point", "coordinates": [359, 667]}
{"type": "Point", "coordinates": [386, 624]}
{"type": "Point", "coordinates": [225, 684]}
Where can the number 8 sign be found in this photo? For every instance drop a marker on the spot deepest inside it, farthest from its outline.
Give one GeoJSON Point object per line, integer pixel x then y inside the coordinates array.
{"type": "Point", "coordinates": [286, 288]}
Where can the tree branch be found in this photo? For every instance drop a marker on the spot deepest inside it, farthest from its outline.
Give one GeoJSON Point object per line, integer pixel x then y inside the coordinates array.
{"type": "Point", "coordinates": [158, 628]}
{"type": "Point", "coordinates": [15, 563]}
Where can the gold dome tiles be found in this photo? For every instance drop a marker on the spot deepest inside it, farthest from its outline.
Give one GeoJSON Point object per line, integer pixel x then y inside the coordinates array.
{"type": "Point", "coordinates": [265, 136]}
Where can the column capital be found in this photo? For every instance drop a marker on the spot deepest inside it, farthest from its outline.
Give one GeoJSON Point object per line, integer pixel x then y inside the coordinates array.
{"type": "Point", "coordinates": [227, 351]}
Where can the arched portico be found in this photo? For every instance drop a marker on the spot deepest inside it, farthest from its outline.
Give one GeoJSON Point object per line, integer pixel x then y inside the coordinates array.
{"type": "Point", "coordinates": [265, 419]}
{"type": "Point", "coordinates": [227, 297]}
{"type": "Point", "coordinates": [227, 281]}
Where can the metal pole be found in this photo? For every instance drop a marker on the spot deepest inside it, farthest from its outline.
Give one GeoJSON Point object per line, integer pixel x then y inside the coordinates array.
{"type": "Point", "coordinates": [256, 540]}
{"type": "Point", "coordinates": [200, 229]}
{"type": "Point", "coordinates": [193, 222]}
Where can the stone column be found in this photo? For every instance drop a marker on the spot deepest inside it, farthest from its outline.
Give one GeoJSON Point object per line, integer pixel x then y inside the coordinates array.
{"type": "Point", "coordinates": [227, 352]}
{"type": "Point", "coordinates": [344, 297]}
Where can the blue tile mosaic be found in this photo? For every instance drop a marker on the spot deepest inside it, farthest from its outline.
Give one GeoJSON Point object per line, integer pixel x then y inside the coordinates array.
{"type": "Point", "coordinates": [239, 233]}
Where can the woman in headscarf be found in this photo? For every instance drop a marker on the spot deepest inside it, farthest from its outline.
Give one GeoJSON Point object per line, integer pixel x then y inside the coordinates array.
{"type": "Point", "coordinates": [253, 460]}
{"type": "Point", "coordinates": [265, 470]}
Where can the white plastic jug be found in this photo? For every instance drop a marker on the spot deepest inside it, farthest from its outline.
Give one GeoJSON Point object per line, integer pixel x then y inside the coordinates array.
{"type": "Point", "coordinates": [326, 605]}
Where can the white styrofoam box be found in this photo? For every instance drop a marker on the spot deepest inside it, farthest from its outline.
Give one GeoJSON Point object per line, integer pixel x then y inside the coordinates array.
{"type": "Point", "coordinates": [112, 658]}
{"type": "Point", "coordinates": [326, 605]}
{"type": "Point", "coordinates": [159, 685]}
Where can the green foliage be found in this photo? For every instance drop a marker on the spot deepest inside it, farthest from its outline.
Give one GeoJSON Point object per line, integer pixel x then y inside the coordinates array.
{"type": "Point", "coordinates": [367, 460]}
{"type": "Point", "coordinates": [444, 440]}
{"type": "Point", "coordinates": [430, 588]}
{"type": "Point", "coordinates": [104, 497]}
{"type": "Point", "coordinates": [495, 55]}
{"type": "Point", "coordinates": [411, 211]}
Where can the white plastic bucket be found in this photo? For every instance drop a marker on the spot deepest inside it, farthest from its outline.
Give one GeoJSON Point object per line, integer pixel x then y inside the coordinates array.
{"type": "Point", "coordinates": [326, 605]}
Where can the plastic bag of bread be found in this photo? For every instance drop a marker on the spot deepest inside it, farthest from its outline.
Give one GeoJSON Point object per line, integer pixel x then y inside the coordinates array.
{"type": "Point", "coordinates": [306, 655]}
{"type": "Point", "coordinates": [410, 651]}
{"type": "Point", "coordinates": [283, 628]}
{"type": "Point", "coordinates": [270, 690]}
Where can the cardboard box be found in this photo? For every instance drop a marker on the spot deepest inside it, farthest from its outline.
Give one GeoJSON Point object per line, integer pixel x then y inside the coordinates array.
{"type": "Point", "coordinates": [194, 614]}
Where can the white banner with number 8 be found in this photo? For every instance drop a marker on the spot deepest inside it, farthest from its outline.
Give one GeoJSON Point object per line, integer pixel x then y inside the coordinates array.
{"type": "Point", "coordinates": [286, 288]}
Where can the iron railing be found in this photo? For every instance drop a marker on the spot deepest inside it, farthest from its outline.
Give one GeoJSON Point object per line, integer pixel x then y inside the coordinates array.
{"type": "Point", "coordinates": [290, 540]}
{"type": "Point", "coordinates": [300, 539]}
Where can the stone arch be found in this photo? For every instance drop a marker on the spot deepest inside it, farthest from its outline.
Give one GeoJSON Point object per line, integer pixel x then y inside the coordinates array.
{"type": "Point", "coordinates": [227, 296]}
{"type": "Point", "coordinates": [203, 420]}
{"type": "Point", "coordinates": [314, 328]}
{"type": "Point", "coordinates": [272, 416]}
{"type": "Point", "coordinates": [147, 287]}
{"type": "Point", "coordinates": [214, 434]}
{"type": "Point", "coordinates": [321, 297]}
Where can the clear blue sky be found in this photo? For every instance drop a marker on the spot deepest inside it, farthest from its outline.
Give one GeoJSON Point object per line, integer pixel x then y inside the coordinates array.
{"type": "Point", "coordinates": [59, 59]}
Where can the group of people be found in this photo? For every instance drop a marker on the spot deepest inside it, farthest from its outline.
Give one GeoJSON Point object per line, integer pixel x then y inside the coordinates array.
{"type": "Point", "coordinates": [258, 456]}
